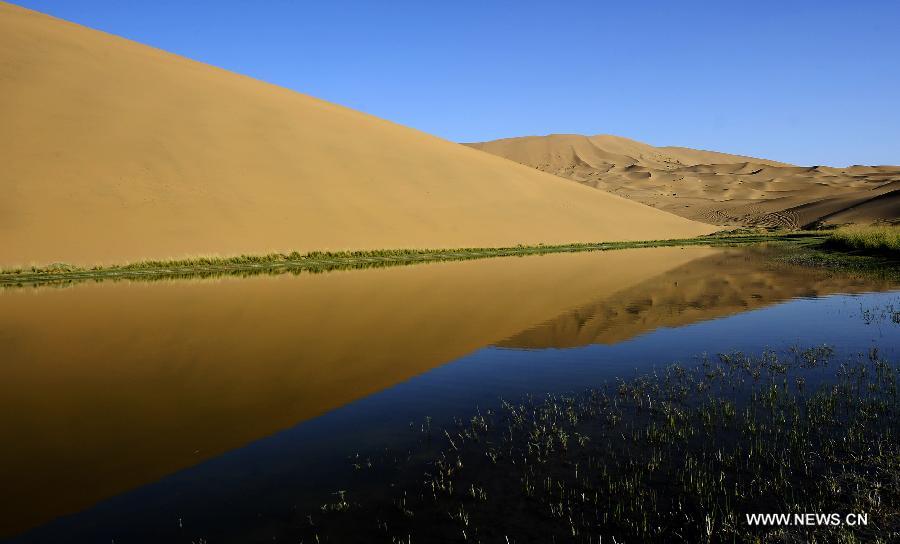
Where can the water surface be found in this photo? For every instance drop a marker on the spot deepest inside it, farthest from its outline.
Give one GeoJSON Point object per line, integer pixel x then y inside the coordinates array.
{"type": "Point", "coordinates": [186, 409]}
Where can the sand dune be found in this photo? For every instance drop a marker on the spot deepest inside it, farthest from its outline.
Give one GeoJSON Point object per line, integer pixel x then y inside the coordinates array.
{"type": "Point", "coordinates": [115, 151]}
{"type": "Point", "coordinates": [713, 187]}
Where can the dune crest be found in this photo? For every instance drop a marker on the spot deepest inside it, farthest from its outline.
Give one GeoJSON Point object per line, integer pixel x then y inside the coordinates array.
{"type": "Point", "coordinates": [713, 187]}
{"type": "Point", "coordinates": [114, 151]}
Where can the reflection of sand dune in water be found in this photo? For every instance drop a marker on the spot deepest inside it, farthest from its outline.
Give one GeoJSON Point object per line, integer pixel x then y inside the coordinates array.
{"type": "Point", "coordinates": [108, 387]}
{"type": "Point", "coordinates": [722, 284]}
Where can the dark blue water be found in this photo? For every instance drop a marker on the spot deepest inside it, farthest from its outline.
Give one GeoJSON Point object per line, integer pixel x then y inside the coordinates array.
{"type": "Point", "coordinates": [251, 494]}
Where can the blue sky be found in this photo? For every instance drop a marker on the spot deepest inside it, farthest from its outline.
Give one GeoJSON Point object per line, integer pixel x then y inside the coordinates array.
{"type": "Point", "coordinates": [803, 82]}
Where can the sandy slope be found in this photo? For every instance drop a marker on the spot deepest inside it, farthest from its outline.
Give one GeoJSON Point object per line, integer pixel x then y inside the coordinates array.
{"type": "Point", "coordinates": [116, 151]}
{"type": "Point", "coordinates": [713, 187]}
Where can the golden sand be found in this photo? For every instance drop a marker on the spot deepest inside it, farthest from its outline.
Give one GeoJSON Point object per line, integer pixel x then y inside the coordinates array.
{"type": "Point", "coordinates": [114, 151]}
{"type": "Point", "coordinates": [717, 188]}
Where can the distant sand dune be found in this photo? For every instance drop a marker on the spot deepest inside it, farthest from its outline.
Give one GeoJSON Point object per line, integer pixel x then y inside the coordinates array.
{"type": "Point", "coordinates": [713, 187]}
{"type": "Point", "coordinates": [113, 151]}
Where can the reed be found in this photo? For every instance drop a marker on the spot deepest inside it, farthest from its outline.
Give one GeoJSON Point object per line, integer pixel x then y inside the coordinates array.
{"type": "Point", "coordinates": [871, 238]}
{"type": "Point", "coordinates": [676, 455]}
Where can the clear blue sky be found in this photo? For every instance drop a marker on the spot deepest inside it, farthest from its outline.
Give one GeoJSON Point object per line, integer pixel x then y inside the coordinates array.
{"type": "Point", "coordinates": [808, 82]}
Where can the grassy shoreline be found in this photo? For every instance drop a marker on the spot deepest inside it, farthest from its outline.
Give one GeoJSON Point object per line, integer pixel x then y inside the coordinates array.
{"type": "Point", "coordinates": [877, 239]}
{"type": "Point", "coordinates": [872, 251]}
{"type": "Point", "coordinates": [318, 261]}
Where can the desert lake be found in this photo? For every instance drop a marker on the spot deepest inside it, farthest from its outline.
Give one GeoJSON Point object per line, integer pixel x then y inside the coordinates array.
{"type": "Point", "coordinates": [223, 408]}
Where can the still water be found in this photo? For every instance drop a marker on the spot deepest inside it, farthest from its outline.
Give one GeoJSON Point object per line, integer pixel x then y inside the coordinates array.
{"type": "Point", "coordinates": [224, 409]}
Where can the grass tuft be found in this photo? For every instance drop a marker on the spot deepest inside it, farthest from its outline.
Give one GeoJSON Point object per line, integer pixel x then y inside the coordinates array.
{"type": "Point", "coordinates": [872, 238]}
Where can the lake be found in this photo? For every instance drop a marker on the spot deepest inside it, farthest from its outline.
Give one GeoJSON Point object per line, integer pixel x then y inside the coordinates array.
{"type": "Point", "coordinates": [225, 408]}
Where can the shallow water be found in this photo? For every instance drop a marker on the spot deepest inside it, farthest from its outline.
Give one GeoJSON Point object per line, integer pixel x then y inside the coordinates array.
{"type": "Point", "coordinates": [171, 411]}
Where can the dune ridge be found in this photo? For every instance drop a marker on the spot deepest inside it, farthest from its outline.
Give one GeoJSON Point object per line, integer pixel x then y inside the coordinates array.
{"type": "Point", "coordinates": [114, 151]}
{"type": "Point", "coordinates": [712, 187]}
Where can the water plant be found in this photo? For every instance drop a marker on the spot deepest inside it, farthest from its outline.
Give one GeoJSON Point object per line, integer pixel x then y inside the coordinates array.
{"type": "Point", "coordinates": [682, 454]}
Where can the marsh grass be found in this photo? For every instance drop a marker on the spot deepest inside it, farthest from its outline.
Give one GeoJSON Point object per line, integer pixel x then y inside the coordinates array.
{"type": "Point", "coordinates": [871, 238]}
{"type": "Point", "coordinates": [861, 251]}
{"type": "Point", "coordinates": [676, 455]}
{"type": "Point", "coordinates": [838, 260]}
{"type": "Point", "coordinates": [323, 261]}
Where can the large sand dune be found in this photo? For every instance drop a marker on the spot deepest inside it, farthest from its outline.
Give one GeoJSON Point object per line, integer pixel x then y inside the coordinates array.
{"type": "Point", "coordinates": [713, 187]}
{"type": "Point", "coordinates": [115, 151]}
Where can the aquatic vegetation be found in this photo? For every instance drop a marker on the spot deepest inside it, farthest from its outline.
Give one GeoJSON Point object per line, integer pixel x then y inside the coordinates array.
{"type": "Point", "coordinates": [887, 313]}
{"type": "Point", "coordinates": [683, 454]}
{"type": "Point", "coordinates": [838, 258]}
{"type": "Point", "coordinates": [872, 238]}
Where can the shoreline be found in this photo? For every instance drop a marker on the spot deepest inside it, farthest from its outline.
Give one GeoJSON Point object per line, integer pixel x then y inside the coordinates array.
{"type": "Point", "coordinates": [319, 261]}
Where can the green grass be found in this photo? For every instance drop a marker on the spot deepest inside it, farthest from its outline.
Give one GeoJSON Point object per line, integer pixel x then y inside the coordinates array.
{"type": "Point", "coordinates": [320, 261]}
{"type": "Point", "coordinates": [847, 251]}
{"type": "Point", "coordinates": [681, 454]}
{"type": "Point", "coordinates": [874, 238]}
{"type": "Point", "coordinates": [838, 261]}
{"type": "Point", "coordinates": [860, 251]}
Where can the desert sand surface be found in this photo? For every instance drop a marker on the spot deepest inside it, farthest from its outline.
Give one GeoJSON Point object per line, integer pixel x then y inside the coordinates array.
{"type": "Point", "coordinates": [114, 151]}
{"type": "Point", "coordinates": [717, 188]}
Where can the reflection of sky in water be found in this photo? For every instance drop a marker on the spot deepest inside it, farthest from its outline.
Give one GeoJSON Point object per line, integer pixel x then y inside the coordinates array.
{"type": "Point", "coordinates": [250, 491]}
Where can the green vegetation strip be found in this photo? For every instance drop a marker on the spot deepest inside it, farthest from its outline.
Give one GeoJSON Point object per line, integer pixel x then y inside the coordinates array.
{"type": "Point", "coordinates": [319, 261]}
{"type": "Point", "coordinates": [879, 239]}
{"type": "Point", "coordinates": [866, 251]}
{"type": "Point", "coordinates": [682, 454]}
